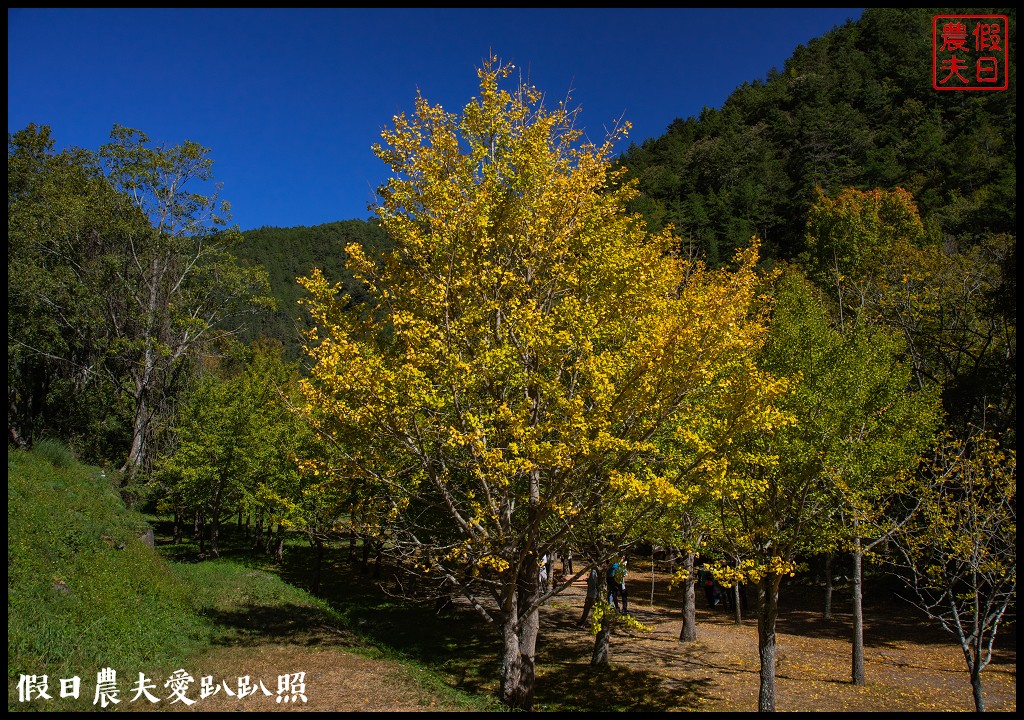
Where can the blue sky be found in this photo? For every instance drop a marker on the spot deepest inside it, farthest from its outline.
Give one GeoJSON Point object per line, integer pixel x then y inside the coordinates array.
{"type": "Point", "coordinates": [290, 101]}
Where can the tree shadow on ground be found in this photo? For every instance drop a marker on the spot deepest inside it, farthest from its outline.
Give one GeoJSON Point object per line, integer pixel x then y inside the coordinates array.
{"type": "Point", "coordinates": [287, 624]}
{"type": "Point", "coordinates": [889, 619]}
{"type": "Point", "coordinates": [466, 651]}
{"type": "Point", "coordinates": [616, 688]}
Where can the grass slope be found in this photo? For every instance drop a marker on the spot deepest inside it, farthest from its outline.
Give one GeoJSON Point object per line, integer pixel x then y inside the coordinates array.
{"type": "Point", "coordinates": [85, 592]}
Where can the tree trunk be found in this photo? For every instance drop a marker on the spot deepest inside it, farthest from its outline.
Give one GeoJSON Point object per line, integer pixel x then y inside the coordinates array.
{"type": "Point", "coordinates": [975, 666]}
{"type": "Point", "coordinates": [144, 381]}
{"type": "Point", "coordinates": [258, 533]}
{"type": "Point", "coordinates": [519, 640]}
{"type": "Point", "coordinates": [519, 633]}
{"type": "Point", "coordinates": [767, 614]}
{"type": "Point", "coordinates": [215, 536]}
{"type": "Point", "coordinates": [279, 553]}
{"type": "Point", "coordinates": [857, 672]}
{"type": "Point", "coordinates": [602, 642]}
{"type": "Point", "coordinates": [140, 428]}
{"type": "Point", "coordinates": [827, 614]}
{"type": "Point", "coordinates": [318, 563]}
{"type": "Point", "coordinates": [215, 520]}
{"type": "Point", "coordinates": [688, 632]}
{"type": "Point", "coordinates": [177, 532]}
{"type": "Point", "coordinates": [737, 598]}
{"type": "Point", "coordinates": [517, 671]}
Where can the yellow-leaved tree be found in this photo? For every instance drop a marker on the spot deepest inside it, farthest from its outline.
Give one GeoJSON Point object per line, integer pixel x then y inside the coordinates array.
{"type": "Point", "coordinates": [958, 553]}
{"type": "Point", "coordinates": [530, 341]}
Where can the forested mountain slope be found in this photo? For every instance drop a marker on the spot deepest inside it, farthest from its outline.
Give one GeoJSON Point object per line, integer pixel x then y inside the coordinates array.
{"type": "Point", "coordinates": [289, 253]}
{"type": "Point", "coordinates": [855, 107]}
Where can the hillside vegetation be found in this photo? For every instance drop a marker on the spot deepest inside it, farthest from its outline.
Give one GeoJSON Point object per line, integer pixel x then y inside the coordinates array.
{"type": "Point", "coordinates": [852, 108]}
{"type": "Point", "coordinates": [85, 592]}
{"type": "Point", "coordinates": [290, 253]}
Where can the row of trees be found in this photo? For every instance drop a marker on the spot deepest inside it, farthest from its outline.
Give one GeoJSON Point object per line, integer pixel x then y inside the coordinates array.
{"type": "Point", "coordinates": [525, 366]}
{"type": "Point", "coordinates": [542, 372]}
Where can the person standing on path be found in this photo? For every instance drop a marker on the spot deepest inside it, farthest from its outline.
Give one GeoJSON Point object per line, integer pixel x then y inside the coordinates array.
{"type": "Point", "coordinates": [593, 585]}
{"type": "Point", "coordinates": [620, 576]}
{"type": "Point", "coordinates": [708, 581]}
{"type": "Point", "coordinates": [611, 571]}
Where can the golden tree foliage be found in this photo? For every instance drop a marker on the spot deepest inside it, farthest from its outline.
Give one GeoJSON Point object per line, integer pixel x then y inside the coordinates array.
{"type": "Point", "coordinates": [530, 342]}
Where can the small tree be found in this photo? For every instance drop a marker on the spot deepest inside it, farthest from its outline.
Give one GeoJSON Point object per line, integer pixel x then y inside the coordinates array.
{"type": "Point", "coordinates": [891, 426]}
{"type": "Point", "coordinates": [234, 443]}
{"type": "Point", "coordinates": [959, 553]}
{"type": "Point", "coordinates": [783, 495]}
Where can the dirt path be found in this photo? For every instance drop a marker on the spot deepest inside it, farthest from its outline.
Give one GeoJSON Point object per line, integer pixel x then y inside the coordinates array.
{"type": "Point", "coordinates": [910, 665]}
{"type": "Point", "coordinates": [335, 680]}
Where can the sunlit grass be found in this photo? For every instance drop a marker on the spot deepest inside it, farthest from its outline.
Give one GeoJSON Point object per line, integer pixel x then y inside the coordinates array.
{"type": "Point", "coordinates": [86, 593]}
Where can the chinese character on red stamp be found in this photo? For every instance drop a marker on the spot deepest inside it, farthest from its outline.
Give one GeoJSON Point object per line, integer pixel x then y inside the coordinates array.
{"type": "Point", "coordinates": [970, 52]}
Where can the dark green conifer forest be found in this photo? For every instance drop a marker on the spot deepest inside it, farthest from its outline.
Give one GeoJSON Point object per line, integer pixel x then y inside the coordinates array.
{"type": "Point", "coordinates": [289, 253]}
{"type": "Point", "coordinates": [854, 108]}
